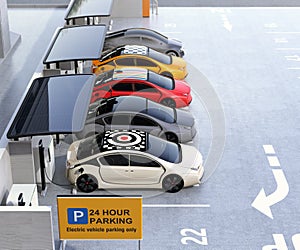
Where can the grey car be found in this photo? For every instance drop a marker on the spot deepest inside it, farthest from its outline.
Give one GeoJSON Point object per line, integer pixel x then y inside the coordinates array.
{"type": "Point", "coordinates": [138, 113]}
{"type": "Point", "coordinates": [146, 37]}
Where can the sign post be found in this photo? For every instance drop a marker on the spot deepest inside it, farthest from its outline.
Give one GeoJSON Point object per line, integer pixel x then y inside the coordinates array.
{"type": "Point", "coordinates": [85, 217]}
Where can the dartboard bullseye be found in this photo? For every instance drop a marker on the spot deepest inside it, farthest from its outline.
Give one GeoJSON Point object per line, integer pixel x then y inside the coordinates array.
{"type": "Point", "coordinates": [124, 140]}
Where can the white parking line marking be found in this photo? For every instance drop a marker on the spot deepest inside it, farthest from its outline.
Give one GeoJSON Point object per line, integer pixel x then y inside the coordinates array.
{"type": "Point", "coordinates": [270, 25]}
{"type": "Point", "coordinates": [287, 48]}
{"type": "Point", "coordinates": [178, 205]}
{"type": "Point", "coordinates": [273, 161]}
{"type": "Point", "coordinates": [283, 32]}
{"type": "Point", "coordinates": [293, 58]}
{"type": "Point", "coordinates": [172, 32]}
{"type": "Point", "coordinates": [294, 68]}
{"type": "Point", "coordinates": [269, 149]}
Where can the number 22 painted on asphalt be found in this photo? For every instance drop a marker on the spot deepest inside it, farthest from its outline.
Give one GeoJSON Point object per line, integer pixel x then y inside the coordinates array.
{"type": "Point", "coordinates": [201, 234]}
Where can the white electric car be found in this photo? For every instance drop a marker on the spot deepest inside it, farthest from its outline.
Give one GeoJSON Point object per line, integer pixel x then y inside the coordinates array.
{"type": "Point", "coordinates": [132, 159]}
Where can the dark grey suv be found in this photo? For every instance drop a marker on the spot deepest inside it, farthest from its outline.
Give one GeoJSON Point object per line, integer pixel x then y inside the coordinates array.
{"type": "Point", "coordinates": [138, 113]}
{"type": "Point", "coordinates": [145, 37]}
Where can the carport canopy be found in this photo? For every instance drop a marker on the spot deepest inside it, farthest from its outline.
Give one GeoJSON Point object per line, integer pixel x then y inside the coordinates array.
{"type": "Point", "coordinates": [89, 8]}
{"type": "Point", "coordinates": [76, 43]}
{"type": "Point", "coordinates": [53, 105]}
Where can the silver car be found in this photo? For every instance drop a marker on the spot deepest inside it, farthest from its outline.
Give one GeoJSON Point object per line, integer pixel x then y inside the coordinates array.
{"type": "Point", "coordinates": [133, 112]}
{"type": "Point", "coordinates": [145, 37]}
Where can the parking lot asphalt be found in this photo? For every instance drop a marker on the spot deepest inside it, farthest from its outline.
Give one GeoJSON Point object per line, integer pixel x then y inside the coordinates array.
{"type": "Point", "coordinates": [245, 76]}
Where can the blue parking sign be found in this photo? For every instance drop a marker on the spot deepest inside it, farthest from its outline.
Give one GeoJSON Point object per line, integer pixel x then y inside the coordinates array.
{"type": "Point", "coordinates": [77, 216]}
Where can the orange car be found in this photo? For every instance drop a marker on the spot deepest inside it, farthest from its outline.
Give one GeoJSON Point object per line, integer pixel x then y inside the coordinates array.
{"type": "Point", "coordinates": [141, 57]}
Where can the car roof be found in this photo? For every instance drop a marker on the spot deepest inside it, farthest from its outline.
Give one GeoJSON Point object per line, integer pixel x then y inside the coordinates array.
{"type": "Point", "coordinates": [117, 141]}
{"type": "Point", "coordinates": [139, 105]}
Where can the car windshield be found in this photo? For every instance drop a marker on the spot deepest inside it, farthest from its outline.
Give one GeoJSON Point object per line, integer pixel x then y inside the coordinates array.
{"type": "Point", "coordinates": [111, 54]}
{"type": "Point", "coordinates": [122, 103]}
{"type": "Point", "coordinates": [104, 77]}
{"type": "Point", "coordinates": [159, 56]}
{"type": "Point", "coordinates": [160, 112]}
{"type": "Point", "coordinates": [161, 81]}
{"type": "Point", "coordinates": [89, 146]}
{"type": "Point", "coordinates": [164, 150]}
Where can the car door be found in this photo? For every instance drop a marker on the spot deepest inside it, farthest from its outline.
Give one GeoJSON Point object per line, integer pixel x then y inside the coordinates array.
{"type": "Point", "coordinates": [114, 168]}
{"type": "Point", "coordinates": [144, 62]}
{"type": "Point", "coordinates": [143, 123]}
{"type": "Point", "coordinates": [117, 121]}
{"type": "Point", "coordinates": [122, 88]}
{"type": "Point", "coordinates": [144, 170]}
{"type": "Point", "coordinates": [147, 91]}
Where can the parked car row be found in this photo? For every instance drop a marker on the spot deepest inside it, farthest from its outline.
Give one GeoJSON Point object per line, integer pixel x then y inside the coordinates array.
{"type": "Point", "coordinates": [134, 130]}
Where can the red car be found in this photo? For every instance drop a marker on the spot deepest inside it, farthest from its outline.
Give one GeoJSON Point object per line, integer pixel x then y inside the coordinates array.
{"type": "Point", "coordinates": [144, 83]}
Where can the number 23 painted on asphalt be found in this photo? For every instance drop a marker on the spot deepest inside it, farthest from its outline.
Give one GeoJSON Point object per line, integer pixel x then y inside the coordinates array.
{"type": "Point", "coordinates": [201, 235]}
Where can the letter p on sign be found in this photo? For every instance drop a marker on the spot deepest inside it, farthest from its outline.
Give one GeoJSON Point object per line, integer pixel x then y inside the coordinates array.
{"type": "Point", "coordinates": [77, 216]}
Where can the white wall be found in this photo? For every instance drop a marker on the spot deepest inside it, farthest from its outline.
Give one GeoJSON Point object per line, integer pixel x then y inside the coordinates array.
{"type": "Point", "coordinates": [127, 8]}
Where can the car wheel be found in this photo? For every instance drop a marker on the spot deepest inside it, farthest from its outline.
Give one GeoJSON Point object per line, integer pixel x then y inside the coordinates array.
{"type": "Point", "coordinates": [87, 183]}
{"type": "Point", "coordinates": [171, 137]}
{"type": "Point", "coordinates": [172, 183]}
{"type": "Point", "coordinates": [167, 74]}
{"type": "Point", "coordinates": [169, 102]}
{"type": "Point", "coordinates": [172, 53]}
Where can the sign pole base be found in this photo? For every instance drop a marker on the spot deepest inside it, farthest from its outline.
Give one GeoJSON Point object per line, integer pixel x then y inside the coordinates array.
{"type": "Point", "coordinates": [62, 245]}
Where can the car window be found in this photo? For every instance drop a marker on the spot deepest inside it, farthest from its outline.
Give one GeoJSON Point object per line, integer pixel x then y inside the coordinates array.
{"type": "Point", "coordinates": [117, 119]}
{"type": "Point", "coordinates": [129, 61]}
{"type": "Point", "coordinates": [122, 86]}
{"type": "Point", "coordinates": [145, 63]}
{"type": "Point", "coordinates": [148, 40]}
{"type": "Point", "coordinates": [115, 160]}
{"type": "Point", "coordinates": [144, 88]}
{"type": "Point", "coordinates": [142, 121]}
{"type": "Point", "coordinates": [141, 161]}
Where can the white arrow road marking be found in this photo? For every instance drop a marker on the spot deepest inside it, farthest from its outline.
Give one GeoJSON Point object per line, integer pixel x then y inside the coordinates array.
{"type": "Point", "coordinates": [273, 161]}
{"type": "Point", "coordinates": [280, 243]}
{"type": "Point", "coordinates": [263, 203]}
{"type": "Point", "coordinates": [296, 241]}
